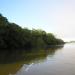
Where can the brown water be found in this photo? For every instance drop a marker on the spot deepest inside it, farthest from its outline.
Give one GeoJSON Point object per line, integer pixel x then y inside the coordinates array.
{"type": "Point", "coordinates": [52, 61]}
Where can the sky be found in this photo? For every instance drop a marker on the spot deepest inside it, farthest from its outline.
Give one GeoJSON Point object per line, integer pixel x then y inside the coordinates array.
{"type": "Point", "coordinates": [54, 16]}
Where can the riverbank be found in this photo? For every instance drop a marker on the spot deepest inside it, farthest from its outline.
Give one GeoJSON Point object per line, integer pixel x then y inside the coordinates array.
{"type": "Point", "coordinates": [12, 36]}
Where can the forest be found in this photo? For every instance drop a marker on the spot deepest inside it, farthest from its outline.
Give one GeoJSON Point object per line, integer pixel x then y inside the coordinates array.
{"type": "Point", "coordinates": [12, 36]}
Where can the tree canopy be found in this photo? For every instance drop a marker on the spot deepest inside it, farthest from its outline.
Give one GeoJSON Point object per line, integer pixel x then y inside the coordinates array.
{"type": "Point", "coordinates": [13, 36]}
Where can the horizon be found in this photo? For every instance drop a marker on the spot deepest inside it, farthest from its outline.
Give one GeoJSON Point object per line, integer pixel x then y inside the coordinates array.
{"type": "Point", "coordinates": [57, 17]}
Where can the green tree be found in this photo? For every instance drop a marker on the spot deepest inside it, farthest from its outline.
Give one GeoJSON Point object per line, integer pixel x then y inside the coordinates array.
{"type": "Point", "coordinates": [13, 36]}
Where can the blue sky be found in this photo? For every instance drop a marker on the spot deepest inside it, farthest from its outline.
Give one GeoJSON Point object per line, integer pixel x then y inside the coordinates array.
{"type": "Point", "coordinates": [55, 16]}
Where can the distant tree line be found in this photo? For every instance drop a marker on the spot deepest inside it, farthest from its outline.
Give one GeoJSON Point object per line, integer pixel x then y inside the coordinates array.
{"type": "Point", "coordinates": [13, 36]}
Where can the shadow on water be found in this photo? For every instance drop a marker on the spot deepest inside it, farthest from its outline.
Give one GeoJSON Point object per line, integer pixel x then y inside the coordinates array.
{"type": "Point", "coordinates": [11, 61]}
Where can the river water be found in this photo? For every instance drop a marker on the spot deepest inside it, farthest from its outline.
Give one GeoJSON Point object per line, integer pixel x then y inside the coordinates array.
{"type": "Point", "coordinates": [52, 61]}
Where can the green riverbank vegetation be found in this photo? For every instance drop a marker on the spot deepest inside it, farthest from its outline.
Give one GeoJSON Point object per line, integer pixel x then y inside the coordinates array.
{"type": "Point", "coordinates": [12, 36]}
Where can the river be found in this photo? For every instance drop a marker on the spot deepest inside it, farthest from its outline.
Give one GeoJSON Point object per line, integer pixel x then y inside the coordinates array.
{"type": "Point", "coordinates": [51, 61]}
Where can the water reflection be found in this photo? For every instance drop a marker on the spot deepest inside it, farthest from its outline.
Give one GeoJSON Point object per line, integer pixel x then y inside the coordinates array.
{"type": "Point", "coordinates": [11, 62]}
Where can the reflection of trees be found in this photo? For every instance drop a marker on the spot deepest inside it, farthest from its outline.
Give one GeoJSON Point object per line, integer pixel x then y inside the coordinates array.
{"type": "Point", "coordinates": [26, 56]}
{"type": "Point", "coordinates": [12, 61]}
{"type": "Point", "coordinates": [8, 69]}
{"type": "Point", "coordinates": [52, 49]}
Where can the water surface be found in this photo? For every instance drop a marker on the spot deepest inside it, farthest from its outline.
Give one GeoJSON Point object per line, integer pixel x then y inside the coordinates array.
{"type": "Point", "coordinates": [52, 61]}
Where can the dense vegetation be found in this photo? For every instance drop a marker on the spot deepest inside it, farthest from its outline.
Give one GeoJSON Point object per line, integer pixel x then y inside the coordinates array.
{"type": "Point", "coordinates": [13, 36]}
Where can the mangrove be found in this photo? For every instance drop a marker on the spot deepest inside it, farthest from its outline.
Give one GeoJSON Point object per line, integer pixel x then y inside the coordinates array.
{"type": "Point", "coordinates": [12, 36]}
